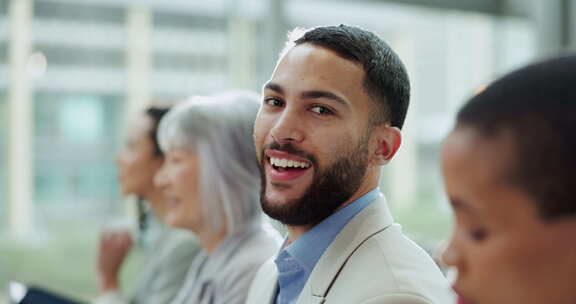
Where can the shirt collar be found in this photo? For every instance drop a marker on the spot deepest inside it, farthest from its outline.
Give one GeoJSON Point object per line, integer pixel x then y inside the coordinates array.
{"type": "Point", "coordinates": [308, 249]}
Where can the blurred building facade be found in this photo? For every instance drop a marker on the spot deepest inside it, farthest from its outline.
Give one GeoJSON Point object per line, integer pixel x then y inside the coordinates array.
{"type": "Point", "coordinates": [72, 73]}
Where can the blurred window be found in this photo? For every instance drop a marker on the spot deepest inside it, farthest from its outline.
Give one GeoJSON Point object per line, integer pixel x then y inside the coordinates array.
{"type": "Point", "coordinates": [72, 10]}
{"type": "Point", "coordinates": [190, 54]}
{"type": "Point", "coordinates": [3, 115]}
{"type": "Point", "coordinates": [3, 157]}
{"type": "Point", "coordinates": [76, 138]}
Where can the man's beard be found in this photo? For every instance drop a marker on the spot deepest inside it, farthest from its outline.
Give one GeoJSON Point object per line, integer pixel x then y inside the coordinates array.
{"type": "Point", "coordinates": [330, 187]}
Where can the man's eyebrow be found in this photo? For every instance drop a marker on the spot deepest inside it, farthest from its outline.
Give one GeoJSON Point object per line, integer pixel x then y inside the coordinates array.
{"type": "Point", "coordinates": [323, 94]}
{"type": "Point", "coordinates": [314, 94]}
{"type": "Point", "coordinates": [274, 87]}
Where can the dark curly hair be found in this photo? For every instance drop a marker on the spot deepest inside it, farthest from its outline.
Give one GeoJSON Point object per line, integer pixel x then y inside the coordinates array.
{"type": "Point", "coordinates": [156, 114]}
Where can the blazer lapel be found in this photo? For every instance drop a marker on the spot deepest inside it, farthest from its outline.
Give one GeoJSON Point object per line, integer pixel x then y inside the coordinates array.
{"type": "Point", "coordinates": [373, 219]}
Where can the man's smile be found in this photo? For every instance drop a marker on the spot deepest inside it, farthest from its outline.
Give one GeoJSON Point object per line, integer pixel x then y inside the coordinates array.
{"type": "Point", "coordinates": [285, 167]}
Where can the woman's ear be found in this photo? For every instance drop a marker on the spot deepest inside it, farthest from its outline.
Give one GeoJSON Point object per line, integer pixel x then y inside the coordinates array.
{"type": "Point", "coordinates": [388, 140]}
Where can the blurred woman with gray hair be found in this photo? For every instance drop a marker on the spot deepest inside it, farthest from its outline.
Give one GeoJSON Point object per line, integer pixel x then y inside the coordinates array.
{"type": "Point", "coordinates": [212, 181]}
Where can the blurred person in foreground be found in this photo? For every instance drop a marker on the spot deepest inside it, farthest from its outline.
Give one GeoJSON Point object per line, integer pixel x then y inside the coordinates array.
{"type": "Point", "coordinates": [510, 172]}
{"type": "Point", "coordinates": [330, 119]}
{"type": "Point", "coordinates": [211, 180]}
{"type": "Point", "coordinates": [168, 252]}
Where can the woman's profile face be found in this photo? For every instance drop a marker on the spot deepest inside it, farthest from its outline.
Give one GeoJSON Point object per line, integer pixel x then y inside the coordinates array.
{"type": "Point", "coordinates": [137, 162]}
{"type": "Point", "coordinates": [178, 180]}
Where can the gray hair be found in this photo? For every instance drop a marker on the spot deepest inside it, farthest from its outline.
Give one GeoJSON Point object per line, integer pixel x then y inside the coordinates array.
{"type": "Point", "coordinates": [219, 129]}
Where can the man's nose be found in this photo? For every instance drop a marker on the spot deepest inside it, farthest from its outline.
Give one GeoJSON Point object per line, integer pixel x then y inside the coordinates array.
{"type": "Point", "coordinates": [288, 128]}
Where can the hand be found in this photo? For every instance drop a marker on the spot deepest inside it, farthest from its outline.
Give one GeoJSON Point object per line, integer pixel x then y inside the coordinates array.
{"type": "Point", "coordinates": [113, 248]}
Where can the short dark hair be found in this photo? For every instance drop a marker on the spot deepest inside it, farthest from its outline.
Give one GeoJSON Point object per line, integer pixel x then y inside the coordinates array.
{"type": "Point", "coordinates": [386, 80]}
{"type": "Point", "coordinates": [536, 105]}
{"type": "Point", "coordinates": [156, 114]}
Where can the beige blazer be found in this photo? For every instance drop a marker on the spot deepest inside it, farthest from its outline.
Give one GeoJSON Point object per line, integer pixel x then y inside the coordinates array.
{"type": "Point", "coordinates": [370, 261]}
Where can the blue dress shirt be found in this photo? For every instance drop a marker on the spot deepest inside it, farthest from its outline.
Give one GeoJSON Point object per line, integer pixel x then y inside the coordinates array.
{"type": "Point", "coordinates": [296, 261]}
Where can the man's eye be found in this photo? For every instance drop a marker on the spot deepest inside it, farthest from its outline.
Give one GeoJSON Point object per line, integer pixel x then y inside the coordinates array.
{"type": "Point", "coordinates": [273, 102]}
{"type": "Point", "coordinates": [321, 110]}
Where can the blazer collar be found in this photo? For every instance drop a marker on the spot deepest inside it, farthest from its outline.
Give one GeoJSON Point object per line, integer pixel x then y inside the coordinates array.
{"type": "Point", "coordinates": [373, 219]}
{"type": "Point", "coordinates": [267, 286]}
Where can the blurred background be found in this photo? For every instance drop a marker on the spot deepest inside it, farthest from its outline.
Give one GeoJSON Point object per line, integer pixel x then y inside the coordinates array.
{"type": "Point", "coordinates": [73, 72]}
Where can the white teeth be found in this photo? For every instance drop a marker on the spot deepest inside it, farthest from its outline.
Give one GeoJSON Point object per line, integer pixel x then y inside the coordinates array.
{"type": "Point", "coordinates": [288, 163]}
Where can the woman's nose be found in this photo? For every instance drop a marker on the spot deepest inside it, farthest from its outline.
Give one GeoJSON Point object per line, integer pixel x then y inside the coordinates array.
{"type": "Point", "coordinates": [451, 255]}
{"type": "Point", "coordinates": [160, 178]}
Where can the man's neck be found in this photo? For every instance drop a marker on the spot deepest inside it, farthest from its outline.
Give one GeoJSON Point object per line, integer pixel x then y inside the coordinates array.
{"type": "Point", "coordinates": [295, 232]}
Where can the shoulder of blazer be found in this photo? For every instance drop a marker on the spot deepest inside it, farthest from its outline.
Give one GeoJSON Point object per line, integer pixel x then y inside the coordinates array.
{"type": "Point", "coordinates": [370, 221]}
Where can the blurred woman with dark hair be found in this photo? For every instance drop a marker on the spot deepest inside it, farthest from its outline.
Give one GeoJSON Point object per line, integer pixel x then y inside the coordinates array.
{"type": "Point", "coordinates": [168, 252]}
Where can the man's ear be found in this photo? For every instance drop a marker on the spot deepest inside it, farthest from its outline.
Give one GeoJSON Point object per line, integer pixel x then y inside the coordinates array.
{"type": "Point", "coordinates": [387, 140]}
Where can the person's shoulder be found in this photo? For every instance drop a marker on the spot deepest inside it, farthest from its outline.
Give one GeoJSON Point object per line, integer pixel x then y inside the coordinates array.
{"type": "Point", "coordinates": [260, 244]}
{"type": "Point", "coordinates": [396, 254]}
{"type": "Point", "coordinates": [388, 265]}
{"type": "Point", "coordinates": [180, 238]}
{"type": "Point", "coordinates": [178, 246]}
{"type": "Point", "coordinates": [239, 271]}
{"type": "Point", "coordinates": [394, 246]}
{"type": "Point", "coordinates": [249, 250]}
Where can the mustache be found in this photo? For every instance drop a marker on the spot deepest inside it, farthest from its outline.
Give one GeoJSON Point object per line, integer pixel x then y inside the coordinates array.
{"type": "Point", "coordinates": [290, 148]}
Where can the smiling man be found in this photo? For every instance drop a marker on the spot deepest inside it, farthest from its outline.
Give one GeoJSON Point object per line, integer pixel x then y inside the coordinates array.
{"type": "Point", "coordinates": [330, 118]}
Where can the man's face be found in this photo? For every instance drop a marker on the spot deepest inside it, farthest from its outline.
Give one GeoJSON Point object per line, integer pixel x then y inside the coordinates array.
{"type": "Point", "coordinates": [503, 251]}
{"type": "Point", "coordinates": [311, 135]}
